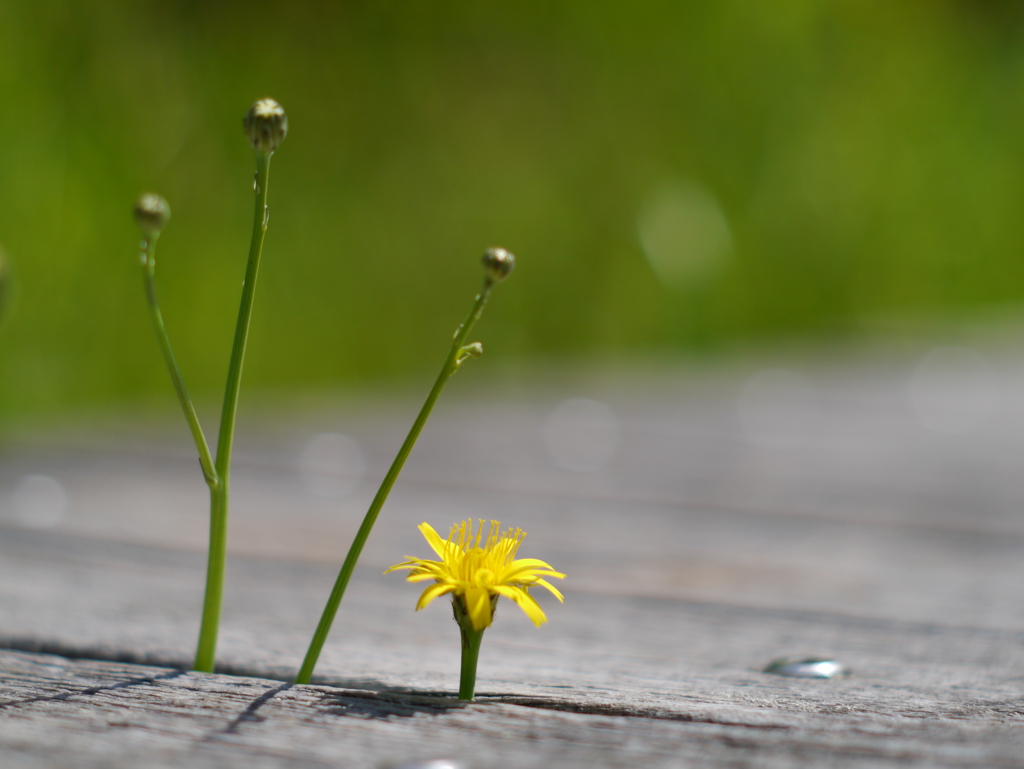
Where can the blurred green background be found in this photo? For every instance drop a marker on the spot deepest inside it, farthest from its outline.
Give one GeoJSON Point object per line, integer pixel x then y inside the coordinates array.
{"type": "Point", "coordinates": [672, 176]}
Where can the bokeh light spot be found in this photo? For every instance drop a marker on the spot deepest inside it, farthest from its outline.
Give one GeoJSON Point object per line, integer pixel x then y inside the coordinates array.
{"type": "Point", "coordinates": [332, 465]}
{"type": "Point", "coordinates": [684, 234]}
{"type": "Point", "coordinates": [953, 390]}
{"type": "Point", "coordinates": [581, 434]}
{"type": "Point", "coordinates": [778, 409]}
{"type": "Point", "coordinates": [39, 502]}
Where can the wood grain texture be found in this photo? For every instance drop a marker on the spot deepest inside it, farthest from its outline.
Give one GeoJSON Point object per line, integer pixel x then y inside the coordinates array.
{"type": "Point", "coordinates": [83, 713]}
{"type": "Point", "coordinates": [695, 556]}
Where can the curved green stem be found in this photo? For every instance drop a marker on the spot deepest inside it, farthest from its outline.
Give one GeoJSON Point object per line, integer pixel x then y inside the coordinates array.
{"type": "Point", "coordinates": [148, 272]}
{"type": "Point", "coordinates": [456, 355]}
{"type": "Point", "coordinates": [207, 647]}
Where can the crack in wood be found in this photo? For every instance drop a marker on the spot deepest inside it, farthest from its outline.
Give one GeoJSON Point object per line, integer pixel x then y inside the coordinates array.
{"type": "Point", "coordinates": [123, 656]}
{"type": "Point", "coordinates": [597, 709]}
{"type": "Point", "coordinates": [63, 697]}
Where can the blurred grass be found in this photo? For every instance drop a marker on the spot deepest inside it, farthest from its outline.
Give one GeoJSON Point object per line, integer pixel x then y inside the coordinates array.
{"type": "Point", "coordinates": [867, 156]}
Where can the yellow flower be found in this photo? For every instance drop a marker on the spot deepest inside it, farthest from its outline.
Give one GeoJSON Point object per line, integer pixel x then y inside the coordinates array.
{"type": "Point", "coordinates": [476, 570]}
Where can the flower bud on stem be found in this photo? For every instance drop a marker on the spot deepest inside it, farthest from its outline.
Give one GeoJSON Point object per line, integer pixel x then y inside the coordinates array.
{"type": "Point", "coordinates": [152, 214]}
{"type": "Point", "coordinates": [496, 269]}
{"type": "Point", "coordinates": [266, 125]}
{"type": "Point", "coordinates": [498, 264]}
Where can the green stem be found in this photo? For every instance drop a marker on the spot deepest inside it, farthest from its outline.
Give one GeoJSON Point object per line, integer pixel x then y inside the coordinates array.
{"type": "Point", "coordinates": [470, 654]}
{"type": "Point", "coordinates": [207, 647]}
{"type": "Point", "coordinates": [216, 558]}
{"type": "Point", "coordinates": [456, 355]}
{"type": "Point", "coordinates": [148, 272]}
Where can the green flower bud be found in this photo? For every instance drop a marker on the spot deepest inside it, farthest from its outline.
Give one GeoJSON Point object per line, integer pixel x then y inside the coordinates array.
{"type": "Point", "coordinates": [151, 214]}
{"type": "Point", "coordinates": [266, 125]}
{"type": "Point", "coordinates": [498, 264]}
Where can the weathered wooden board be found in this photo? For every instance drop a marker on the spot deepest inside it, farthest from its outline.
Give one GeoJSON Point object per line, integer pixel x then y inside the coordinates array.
{"type": "Point", "coordinates": [61, 713]}
{"type": "Point", "coordinates": [90, 598]}
{"type": "Point", "coordinates": [696, 554]}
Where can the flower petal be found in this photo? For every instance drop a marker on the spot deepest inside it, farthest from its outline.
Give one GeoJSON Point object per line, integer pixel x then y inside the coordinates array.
{"type": "Point", "coordinates": [478, 607]}
{"type": "Point", "coordinates": [432, 592]}
{"type": "Point", "coordinates": [552, 588]}
{"type": "Point", "coordinates": [525, 601]}
{"type": "Point", "coordinates": [418, 566]}
{"type": "Point", "coordinates": [412, 563]}
{"type": "Point", "coordinates": [518, 569]}
{"type": "Point", "coordinates": [433, 539]}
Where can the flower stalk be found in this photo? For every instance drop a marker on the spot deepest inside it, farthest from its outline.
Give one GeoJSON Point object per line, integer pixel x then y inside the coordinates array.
{"type": "Point", "coordinates": [472, 639]}
{"type": "Point", "coordinates": [206, 649]}
{"type": "Point", "coordinates": [152, 214]}
{"type": "Point", "coordinates": [266, 125]}
{"type": "Point", "coordinates": [498, 264]}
